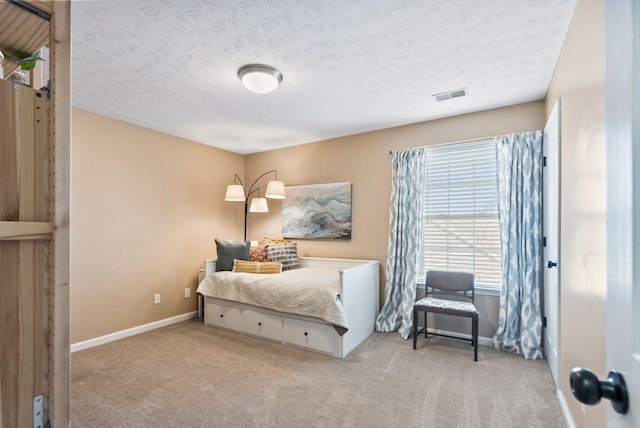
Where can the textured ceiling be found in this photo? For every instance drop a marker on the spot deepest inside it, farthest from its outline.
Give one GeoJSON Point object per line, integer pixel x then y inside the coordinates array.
{"type": "Point", "coordinates": [349, 66]}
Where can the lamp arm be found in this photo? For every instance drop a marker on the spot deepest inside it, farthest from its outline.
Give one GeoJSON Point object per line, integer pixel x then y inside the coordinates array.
{"type": "Point", "coordinates": [249, 193]}
{"type": "Point", "coordinates": [236, 180]}
{"type": "Point", "coordinates": [251, 190]}
{"type": "Point", "coordinates": [257, 189]}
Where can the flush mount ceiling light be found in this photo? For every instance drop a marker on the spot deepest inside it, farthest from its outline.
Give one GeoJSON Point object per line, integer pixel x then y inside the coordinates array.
{"type": "Point", "coordinates": [260, 78]}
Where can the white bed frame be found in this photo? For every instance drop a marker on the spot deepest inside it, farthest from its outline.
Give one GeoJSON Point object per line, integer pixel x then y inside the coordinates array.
{"type": "Point", "coordinates": [359, 293]}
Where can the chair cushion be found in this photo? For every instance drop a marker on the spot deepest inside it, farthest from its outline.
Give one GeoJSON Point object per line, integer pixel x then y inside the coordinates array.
{"type": "Point", "coordinates": [448, 306]}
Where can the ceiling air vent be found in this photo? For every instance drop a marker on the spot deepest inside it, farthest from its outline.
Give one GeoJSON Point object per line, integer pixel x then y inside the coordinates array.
{"type": "Point", "coordinates": [457, 93]}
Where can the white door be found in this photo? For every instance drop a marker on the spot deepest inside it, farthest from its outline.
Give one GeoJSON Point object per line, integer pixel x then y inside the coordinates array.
{"type": "Point", "coordinates": [621, 383]}
{"type": "Point", "coordinates": [622, 134]}
{"type": "Point", "coordinates": [551, 190]}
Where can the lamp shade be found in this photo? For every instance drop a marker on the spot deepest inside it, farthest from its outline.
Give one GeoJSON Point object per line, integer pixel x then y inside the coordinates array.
{"type": "Point", "coordinates": [260, 78]}
{"type": "Point", "coordinates": [235, 193]}
{"type": "Point", "coordinates": [259, 205]}
{"type": "Point", "coordinates": [275, 190]}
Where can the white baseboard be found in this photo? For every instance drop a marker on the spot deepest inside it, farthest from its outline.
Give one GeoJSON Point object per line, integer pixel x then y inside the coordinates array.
{"type": "Point", "coordinates": [565, 410]}
{"type": "Point", "coordinates": [485, 341]}
{"type": "Point", "coordinates": [131, 331]}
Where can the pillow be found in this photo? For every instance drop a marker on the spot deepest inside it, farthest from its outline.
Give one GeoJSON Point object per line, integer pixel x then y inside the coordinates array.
{"type": "Point", "coordinates": [266, 241]}
{"type": "Point", "coordinates": [287, 254]}
{"type": "Point", "coordinates": [256, 267]}
{"type": "Point", "coordinates": [257, 254]}
{"type": "Point", "coordinates": [228, 251]}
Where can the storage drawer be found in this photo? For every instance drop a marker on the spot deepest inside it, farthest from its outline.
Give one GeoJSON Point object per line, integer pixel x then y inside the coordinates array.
{"type": "Point", "coordinates": [264, 325]}
{"type": "Point", "coordinates": [308, 334]}
{"type": "Point", "coordinates": [222, 316]}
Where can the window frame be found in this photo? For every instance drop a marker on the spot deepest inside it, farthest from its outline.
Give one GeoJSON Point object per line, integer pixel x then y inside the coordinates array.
{"type": "Point", "coordinates": [482, 288]}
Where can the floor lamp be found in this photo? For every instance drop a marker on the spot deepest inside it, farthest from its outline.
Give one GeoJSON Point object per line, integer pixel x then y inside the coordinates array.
{"type": "Point", "coordinates": [237, 193]}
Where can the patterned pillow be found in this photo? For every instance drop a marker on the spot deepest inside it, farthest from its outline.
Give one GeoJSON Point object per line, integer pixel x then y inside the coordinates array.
{"type": "Point", "coordinates": [228, 251]}
{"type": "Point", "coordinates": [256, 267]}
{"type": "Point", "coordinates": [266, 241]}
{"type": "Point", "coordinates": [258, 254]}
{"type": "Point", "coordinates": [287, 254]}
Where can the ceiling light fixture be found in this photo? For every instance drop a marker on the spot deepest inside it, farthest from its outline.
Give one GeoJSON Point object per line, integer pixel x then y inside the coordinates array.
{"type": "Point", "coordinates": [260, 78]}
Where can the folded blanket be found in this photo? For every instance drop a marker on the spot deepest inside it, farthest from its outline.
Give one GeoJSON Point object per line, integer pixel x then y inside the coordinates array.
{"type": "Point", "coordinates": [313, 292]}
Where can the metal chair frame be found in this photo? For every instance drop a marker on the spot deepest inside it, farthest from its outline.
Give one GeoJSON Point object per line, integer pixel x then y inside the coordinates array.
{"type": "Point", "coordinates": [446, 284]}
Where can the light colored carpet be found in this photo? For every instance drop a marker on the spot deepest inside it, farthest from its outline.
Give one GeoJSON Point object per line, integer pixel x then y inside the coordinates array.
{"type": "Point", "coordinates": [190, 375]}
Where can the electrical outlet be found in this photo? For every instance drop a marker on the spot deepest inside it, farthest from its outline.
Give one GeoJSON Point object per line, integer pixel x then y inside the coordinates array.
{"type": "Point", "coordinates": [156, 299]}
{"type": "Point", "coordinates": [187, 293]}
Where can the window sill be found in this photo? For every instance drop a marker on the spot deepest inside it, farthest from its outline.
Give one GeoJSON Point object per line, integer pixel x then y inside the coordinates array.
{"type": "Point", "coordinates": [481, 289]}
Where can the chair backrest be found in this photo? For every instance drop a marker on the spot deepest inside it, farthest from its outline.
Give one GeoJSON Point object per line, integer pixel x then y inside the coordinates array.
{"type": "Point", "coordinates": [445, 283]}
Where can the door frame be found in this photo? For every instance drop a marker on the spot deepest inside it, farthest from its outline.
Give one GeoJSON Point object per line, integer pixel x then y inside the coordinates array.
{"type": "Point", "coordinates": [552, 309]}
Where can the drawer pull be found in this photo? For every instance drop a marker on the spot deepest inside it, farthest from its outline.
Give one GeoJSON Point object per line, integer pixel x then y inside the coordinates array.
{"type": "Point", "coordinates": [305, 333]}
{"type": "Point", "coordinates": [221, 315]}
{"type": "Point", "coordinates": [259, 324]}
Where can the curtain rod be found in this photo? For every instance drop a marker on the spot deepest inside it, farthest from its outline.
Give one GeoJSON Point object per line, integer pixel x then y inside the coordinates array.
{"type": "Point", "coordinates": [473, 140]}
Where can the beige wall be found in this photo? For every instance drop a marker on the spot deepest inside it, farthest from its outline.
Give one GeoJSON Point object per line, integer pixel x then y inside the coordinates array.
{"type": "Point", "coordinates": [145, 209]}
{"type": "Point", "coordinates": [579, 82]}
{"type": "Point", "coordinates": [364, 161]}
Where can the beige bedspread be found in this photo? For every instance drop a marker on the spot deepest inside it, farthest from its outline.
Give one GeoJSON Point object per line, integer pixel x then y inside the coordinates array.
{"type": "Point", "coordinates": [312, 292]}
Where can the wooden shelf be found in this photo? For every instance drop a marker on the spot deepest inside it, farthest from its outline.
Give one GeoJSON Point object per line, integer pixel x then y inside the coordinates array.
{"type": "Point", "coordinates": [28, 230]}
{"type": "Point", "coordinates": [17, 42]}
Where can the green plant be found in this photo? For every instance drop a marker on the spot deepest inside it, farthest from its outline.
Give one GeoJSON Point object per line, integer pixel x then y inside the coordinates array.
{"type": "Point", "coordinates": [29, 62]}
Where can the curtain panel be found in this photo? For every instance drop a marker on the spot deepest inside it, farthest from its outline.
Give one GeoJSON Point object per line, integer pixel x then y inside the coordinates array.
{"type": "Point", "coordinates": [405, 224]}
{"type": "Point", "coordinates": [519, 158]}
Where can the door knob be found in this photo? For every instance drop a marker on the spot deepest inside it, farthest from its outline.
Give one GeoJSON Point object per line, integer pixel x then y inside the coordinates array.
{"type": "Point", "coordinates": [588, 389]}
{"type": "Point", "coordinates": [551, 264]}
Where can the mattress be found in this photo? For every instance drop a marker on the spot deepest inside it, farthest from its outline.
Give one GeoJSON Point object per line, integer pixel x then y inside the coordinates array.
{"type": "Point", "coordinates": [312, 292]}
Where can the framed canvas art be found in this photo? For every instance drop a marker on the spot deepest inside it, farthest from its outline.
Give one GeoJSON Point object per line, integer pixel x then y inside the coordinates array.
{"type": "Point", "coordinates": [317, 211]}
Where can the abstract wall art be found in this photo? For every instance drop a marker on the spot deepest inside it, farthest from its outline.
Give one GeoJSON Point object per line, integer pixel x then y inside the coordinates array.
{"type": "Point", "coordinates": [317, 211]}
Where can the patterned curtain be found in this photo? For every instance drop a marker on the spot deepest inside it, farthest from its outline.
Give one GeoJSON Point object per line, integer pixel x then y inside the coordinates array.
{"type": "Point", "coordinates": [519, 159]}
{"type": "Point", "coordinates": [404, 241]}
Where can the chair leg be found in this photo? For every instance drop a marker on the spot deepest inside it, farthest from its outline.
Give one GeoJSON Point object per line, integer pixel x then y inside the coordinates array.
{"type": "Point", "coordinates": [425, 324]}
{"type": "Point", "coordinates": [474, 335]}
{"type": "Point", "coordinates": [415, 327]}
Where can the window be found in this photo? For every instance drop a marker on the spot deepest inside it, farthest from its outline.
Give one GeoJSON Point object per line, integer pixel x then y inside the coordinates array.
{"type": "Point", "coordinates": [460, 230]}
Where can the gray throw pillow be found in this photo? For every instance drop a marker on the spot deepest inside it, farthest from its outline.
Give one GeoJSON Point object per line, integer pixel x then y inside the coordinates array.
{"type": "Point", "coordinates": [229, 250]}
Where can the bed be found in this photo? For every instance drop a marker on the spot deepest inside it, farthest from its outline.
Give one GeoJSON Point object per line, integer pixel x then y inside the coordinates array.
{"type": "Point", "coordinates": [327, 306]}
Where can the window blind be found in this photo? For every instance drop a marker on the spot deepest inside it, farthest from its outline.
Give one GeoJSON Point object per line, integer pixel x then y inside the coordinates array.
{"type": "Point", "coordinates": [460, 211]}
